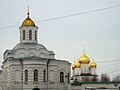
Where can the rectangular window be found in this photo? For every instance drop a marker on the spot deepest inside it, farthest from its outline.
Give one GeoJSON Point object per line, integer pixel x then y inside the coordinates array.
{"type": "Point", "coordinates": [30, 34]}
{"type": "Point", "coordinates": [23, 34]}
{"type": "Point", "coordinates": [44, 75]}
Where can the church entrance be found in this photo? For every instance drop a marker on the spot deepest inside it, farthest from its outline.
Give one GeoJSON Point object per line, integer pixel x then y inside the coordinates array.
{"type": "Point", "coordinates": [35, 89]}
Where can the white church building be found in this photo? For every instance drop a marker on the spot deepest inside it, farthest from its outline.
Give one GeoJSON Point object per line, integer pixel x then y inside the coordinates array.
{"type": "Point", "coordinates": [30, 65]}
{"type": "Point", "coordinates": [84, 70]}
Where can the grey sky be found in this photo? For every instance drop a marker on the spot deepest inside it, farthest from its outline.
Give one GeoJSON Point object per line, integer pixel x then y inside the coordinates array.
{"type": "Point", "coordinates": [98, 31]}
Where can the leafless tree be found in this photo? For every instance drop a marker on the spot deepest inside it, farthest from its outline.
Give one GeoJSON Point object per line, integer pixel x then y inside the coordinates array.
{"type": "Point", "coordinates": [105, 78]}
{"type": "Point", "coordinates": [94, 79]}
{"type": "Point", "coordinates": [116, 78]}
{"type": "Point", "coordinates": [85, 79]}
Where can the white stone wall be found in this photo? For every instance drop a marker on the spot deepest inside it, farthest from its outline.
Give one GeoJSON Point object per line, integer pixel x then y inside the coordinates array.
{"type": "Point", "coordinates": [27, 40]}
{"type": "Point", "coordinates": [85, 68]}
{"type": "Point", "coordinates": [84, 86]}
{"type": "Point", "coordinates": [93, 71]}
{"type": "Point", "coordinates": [14, 79]}
{"type": "Point", "coordinates": [28, 50]}
{"type": "Point", "coordinates": [77, 71]}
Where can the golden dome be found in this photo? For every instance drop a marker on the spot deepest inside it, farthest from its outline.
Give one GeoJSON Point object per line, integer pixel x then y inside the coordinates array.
{"type": "Point", "coordinates": [84, 59]}
{"type": "Point", "coordinates": [77, 64]}
{"type": "Point", "coordinates": [28, 22]}
{"type": "Point", "coordinates": [93, 64]}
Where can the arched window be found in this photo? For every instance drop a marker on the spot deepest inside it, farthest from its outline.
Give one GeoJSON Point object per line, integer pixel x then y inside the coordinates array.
{"type": "Point", "coordinates": [68, 78]}
{"type": "Point", "coordinates": [35, 75]}
{"type": "Point", "coordinates": [23, 34]}
{"type": "Point", "coordinates": [30, 34]}
{"type": "Point", "coordinates": [26, 75]}
{"type": "Point", "coordinates": [62, 77]}
{"type": "Point", "coordinates": [35, 35]}
{"type": "Point", "coordinates": [44, 76]}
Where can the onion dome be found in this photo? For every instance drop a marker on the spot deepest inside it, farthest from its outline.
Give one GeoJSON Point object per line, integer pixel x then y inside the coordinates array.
{"type": "Point", "coordinates": [93, 64]}
{"type": "Point", "coordinates": [28, 21]}
{"type": "Point", "coordinates": [84, 59]}
{"type": "Point", "coordinates": [77, 64]}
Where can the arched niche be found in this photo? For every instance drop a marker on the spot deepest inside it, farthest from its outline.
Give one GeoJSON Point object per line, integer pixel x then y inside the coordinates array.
{"type": "Point", "coordinates": [17, 75]}
{"type": "Point", "coordinates": [52, 75]}
{"type": "Point", "coordinates": [31, 54]}
{"type": "Point", "coordinates": [42, 55]}
{"type": "Point", "coordinates": [21, 54]}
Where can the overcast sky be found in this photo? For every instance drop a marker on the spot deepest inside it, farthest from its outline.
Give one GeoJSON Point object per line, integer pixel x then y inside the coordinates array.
{"type": "Point", "coordinates": [98, 31]}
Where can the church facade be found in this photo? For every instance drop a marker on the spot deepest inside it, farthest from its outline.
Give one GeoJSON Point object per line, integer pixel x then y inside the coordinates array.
{"type": "Point", "coordinates": [30, 65]}
{"type": "Point", "coordinates": [83, 70]}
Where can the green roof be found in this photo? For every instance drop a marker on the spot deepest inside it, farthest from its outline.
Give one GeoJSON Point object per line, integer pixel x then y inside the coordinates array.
{"type": "Point", "coordinates": [80, 83]}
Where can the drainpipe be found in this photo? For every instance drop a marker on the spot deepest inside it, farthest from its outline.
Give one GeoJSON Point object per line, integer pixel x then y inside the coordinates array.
{"type": "Point", "coordinates": [48, 61]}
{"type": "Point", "coordinates": [21, 61]}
